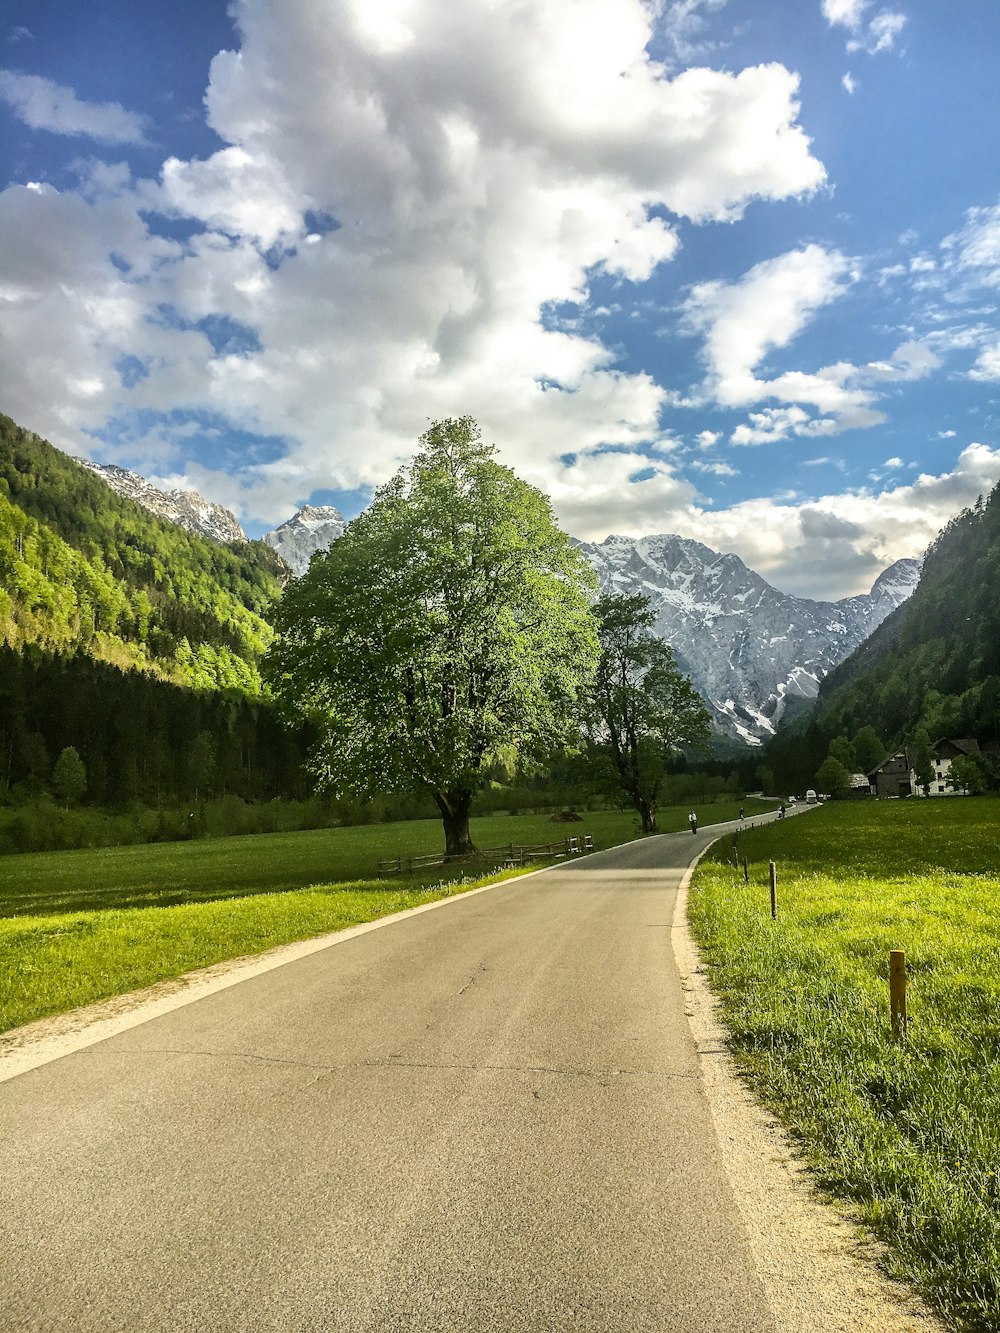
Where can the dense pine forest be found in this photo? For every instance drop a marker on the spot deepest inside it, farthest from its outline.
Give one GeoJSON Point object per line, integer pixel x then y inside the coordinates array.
{"type": "Point", "coordinates": [132, 643]}
{"type": "Point", "coordinates": [932, 668]}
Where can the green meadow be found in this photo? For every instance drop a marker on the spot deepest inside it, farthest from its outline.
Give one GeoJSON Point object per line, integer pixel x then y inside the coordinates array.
{"type": "Point", "coordinates": [909, 1132]}
{"type": "Point", "coordinates": [81, 926]}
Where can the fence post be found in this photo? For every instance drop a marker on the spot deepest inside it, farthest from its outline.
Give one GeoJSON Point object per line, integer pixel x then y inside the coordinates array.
{"type": "Point", "coordinates": [746, 871]}
{"type": "Point", "coordinates": [897, 993]}
{"type": "Point", "coordinates": [774, 891]}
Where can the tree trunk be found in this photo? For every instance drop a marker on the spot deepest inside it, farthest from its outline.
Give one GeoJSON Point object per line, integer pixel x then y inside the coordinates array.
{"type": "Point", "coordinates": [647, 813]}
{"type": "Point", "coordinates": [455, 807]}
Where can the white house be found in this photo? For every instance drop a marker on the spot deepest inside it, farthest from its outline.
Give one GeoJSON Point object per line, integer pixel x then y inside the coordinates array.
{"type": "Point", "coordinates": [895, 776]}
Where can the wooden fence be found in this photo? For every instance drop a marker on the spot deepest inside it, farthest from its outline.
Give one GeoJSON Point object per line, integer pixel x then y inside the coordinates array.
{"type": "Point", "coordinates": [511, 854]}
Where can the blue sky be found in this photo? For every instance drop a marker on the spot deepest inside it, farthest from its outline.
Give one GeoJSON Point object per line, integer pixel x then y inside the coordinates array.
{"type": "Point", "coordinates": [694, 268]}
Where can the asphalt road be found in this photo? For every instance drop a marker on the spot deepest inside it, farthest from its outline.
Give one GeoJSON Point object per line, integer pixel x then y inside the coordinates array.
{"type": "Point", "coordinates": [483, 1117]}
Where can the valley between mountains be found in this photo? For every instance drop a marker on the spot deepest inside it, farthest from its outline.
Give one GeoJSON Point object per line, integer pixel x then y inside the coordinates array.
{"type": "Point", "coordinates": [748, 648]}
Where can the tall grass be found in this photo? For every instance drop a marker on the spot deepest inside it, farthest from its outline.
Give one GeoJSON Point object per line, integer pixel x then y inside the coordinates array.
{"type": "Point", "coordinates": [909, 1132]}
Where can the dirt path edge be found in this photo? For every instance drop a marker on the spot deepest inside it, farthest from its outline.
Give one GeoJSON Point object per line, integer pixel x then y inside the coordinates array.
{"type": "Point", "coordinates": [817, 1266]}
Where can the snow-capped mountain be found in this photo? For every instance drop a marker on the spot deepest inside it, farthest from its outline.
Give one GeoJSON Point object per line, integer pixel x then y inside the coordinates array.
{"type": "Point", "coordinates": [746, 646]}
{"type": "Point", "coordinates": [312, 529]}
{"type": "Point", "coordinates": [186, 508]}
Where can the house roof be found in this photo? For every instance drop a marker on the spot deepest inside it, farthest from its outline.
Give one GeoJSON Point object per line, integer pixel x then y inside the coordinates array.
{"type": "Point", "coordinates": [901, 757]}
{"type": "Point", "coordinates": [964, 745]}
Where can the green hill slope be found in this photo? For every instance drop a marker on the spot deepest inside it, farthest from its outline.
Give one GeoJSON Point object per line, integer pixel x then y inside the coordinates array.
{"type": "Point", "coordinates": [934, 663]}
{"type": "Point", "coordinates": [131, 640]}
{"type": "Point", "coordinates": [82, 568]}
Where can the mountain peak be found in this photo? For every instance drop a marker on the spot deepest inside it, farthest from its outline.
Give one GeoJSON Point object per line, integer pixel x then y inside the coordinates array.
{"type": "Point", "coordinates": [186, 508]}
{"type": "Point", "coordinates": [746, 646]}
{"type": "Point", "coordinates": [311, 528]}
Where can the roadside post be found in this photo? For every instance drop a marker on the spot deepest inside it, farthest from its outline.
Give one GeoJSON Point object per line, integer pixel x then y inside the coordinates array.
{"type": "Point", "coordinates": [897, 993]}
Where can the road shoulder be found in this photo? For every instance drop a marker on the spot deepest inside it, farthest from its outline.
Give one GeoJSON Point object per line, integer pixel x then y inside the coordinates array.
{"type": "Point", "coordinates": [815, 1264]}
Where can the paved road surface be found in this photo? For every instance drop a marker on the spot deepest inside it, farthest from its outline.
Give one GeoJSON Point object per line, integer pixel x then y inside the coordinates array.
{"type": "Point", "coordinates": [483, 1117]}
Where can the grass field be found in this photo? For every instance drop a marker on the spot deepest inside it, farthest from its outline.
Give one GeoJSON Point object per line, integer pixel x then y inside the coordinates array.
{"type": "Point", "coordinates": [909, 1132]}
{"type": "Point", "coordinates": [80, 926]}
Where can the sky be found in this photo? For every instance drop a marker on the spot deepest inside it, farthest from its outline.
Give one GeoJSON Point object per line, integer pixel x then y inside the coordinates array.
{"type": "Point", "coordinates": [724, 268]}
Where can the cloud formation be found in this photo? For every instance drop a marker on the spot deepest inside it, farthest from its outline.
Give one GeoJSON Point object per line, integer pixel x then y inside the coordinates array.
{"type": "Point", "coordinates": [404, 194]}
{"type": "Point", "coordinates": [742, 322]}
{"type": "Point", "coordinates": [406, 218]}
{"type": "Point", "coordinates": [874, 33]}
{"type": "Point", "coordinates": [837, 545]}
{"type": "Point", "coordinates": [44, 105]}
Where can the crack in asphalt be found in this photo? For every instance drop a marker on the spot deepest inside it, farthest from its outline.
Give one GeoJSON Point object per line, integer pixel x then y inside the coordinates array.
{"type": "Point", "coordinates": [398, 1063]}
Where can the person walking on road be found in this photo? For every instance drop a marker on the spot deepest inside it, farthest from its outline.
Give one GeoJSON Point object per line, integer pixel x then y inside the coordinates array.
{"type": "Point", "coordinates": [693, 821]}
{"type": "Point", "coordinates": [741, 812]}
{"type": "Point", "coordinates": [781, 812]}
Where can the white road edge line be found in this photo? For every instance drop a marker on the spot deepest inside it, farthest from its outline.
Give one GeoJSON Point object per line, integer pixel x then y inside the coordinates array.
{"type": "Point", "coordinates": [25, 1048]}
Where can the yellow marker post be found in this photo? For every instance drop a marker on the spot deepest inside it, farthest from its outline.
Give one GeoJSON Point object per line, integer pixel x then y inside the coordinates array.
{"type": "Point", "coordinates": [897, 993]}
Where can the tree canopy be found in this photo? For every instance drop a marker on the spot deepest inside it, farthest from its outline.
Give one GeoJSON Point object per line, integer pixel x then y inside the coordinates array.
{"type": "Point", "coordinates": [447, 631]}
{"type": "Point", "coordinates": [642, 707]}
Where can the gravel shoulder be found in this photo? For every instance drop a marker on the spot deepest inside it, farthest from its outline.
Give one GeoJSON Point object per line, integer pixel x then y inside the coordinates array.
{"type": "Point", "coordinates": [817, 1265]}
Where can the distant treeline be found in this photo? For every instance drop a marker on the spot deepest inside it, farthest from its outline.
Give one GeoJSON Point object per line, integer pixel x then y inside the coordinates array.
{"type": "Point", "coordinates": [141, 740]}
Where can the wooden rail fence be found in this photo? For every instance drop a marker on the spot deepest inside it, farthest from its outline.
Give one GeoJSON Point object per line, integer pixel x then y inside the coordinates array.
{"type": "Point", "coordinates": [510, 854]}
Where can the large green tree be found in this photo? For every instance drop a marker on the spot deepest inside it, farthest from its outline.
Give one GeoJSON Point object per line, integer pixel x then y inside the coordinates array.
{"type": "Point", "coordinates": [448, 630]}
{"type": "Point", "coordinates": [833, 777]}
{"type": "Point", "coordinates": [642, 707]}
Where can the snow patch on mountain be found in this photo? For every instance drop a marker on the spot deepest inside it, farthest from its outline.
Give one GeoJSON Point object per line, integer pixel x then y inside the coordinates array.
{"type": "Point", "coordinates": [747, 647]}
{"type": "Point", "coordinates": [312, 529]}
{"type": "Point", "coordinates": [186, 508]}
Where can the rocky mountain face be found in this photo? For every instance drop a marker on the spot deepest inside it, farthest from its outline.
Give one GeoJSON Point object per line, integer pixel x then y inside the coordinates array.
{"type": "Point", "coordinates": [186, 508]}
{"type": "Point", "coordinates": [747, 647]}
{"type": "Point", "coordinates": [312, 529]}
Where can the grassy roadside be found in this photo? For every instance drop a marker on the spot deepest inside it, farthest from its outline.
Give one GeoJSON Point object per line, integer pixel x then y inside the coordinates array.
{"type": "Point", "coordinates": [85, 925]}
{"type": "Point", "coordinates": [909, 1133]}
{"type": "Point", "coordinates": [56, 963]}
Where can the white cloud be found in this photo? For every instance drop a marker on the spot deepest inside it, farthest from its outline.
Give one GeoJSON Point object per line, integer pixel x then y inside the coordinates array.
{"type": "Point", "coordinates": [716, 469]}
{"type": "Point", "coordinates": [743, 322]}
{"type": "Point", "coordinates": [478, 164]}
{"type": "Point", "coordinates": [706, 438]}
{"type": "Point", "coordinates": [882, 32]}
{"type": "Point", "coordinates": [846, 12]}
{"type": "Point", "coordinates": [874, 34]}
{"type": "Point", "coordinates": [987, 365]}
{"type": "Point", "coordinates": [766, 309]}
{"type": "Point", "coordinates": [975, 248]}
{"type": "Point", "coordinates": [850, 83]}
{"type": "Point", "coordinates": [44, 105]}
{"type": "Point", "coordinates": [683, 25]}
{"type": "Point", "coordinates": [798, 546]}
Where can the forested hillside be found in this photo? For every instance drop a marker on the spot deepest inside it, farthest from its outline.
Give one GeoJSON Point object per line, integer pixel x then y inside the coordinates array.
{"type": "Point", "coordinates": [131, 641]}
{"type": "Point", "coordinates": [933, 665]}
{"type": "Point", "coordinates": [82, 568]}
